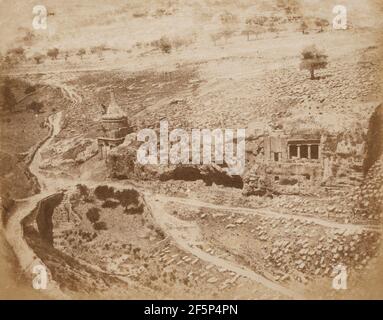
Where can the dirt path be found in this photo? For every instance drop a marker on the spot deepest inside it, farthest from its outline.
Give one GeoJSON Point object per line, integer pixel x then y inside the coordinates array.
{"type": "Point", "coordinates": [272, 214]}
{"type": "Point", "coordinates": [186, 236]}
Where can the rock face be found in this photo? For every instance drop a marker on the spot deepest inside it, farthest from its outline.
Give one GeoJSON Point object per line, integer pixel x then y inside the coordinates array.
{"type": "Point", "coordinates": [122, 164]}
{"type": "Point", "coordinates": [72, 151]}
{"type": "Point", "coordinates": [374, 138]}
{"type": "Point", "coordinates": [288, 165]}
{"type": "Point", "coordinates": [368, 197]}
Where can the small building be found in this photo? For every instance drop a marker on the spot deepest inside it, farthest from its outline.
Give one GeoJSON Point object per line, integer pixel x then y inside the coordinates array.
{"type": "Point", "coordinates": [293, 158]}
{"type": "Point", "coordinates": [115, 127]}
{"type": "Point", "coordinates": [288, 162]}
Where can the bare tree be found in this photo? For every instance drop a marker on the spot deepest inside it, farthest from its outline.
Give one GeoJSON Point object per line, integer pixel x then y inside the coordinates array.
{"type": "Point", "coordinates": [313, 59]}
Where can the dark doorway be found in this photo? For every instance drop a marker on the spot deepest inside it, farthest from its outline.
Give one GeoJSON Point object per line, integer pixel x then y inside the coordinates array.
{"type": "Point", "coordinates": [304, 151]}
{"type": "Point", "coordinates": [293, 151]}
{"type": "Point", "coordinates": [314, 151]}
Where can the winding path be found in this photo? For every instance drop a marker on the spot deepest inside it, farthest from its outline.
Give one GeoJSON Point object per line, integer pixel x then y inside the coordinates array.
{"type": "Point", "coordinates": [272, 214]}
{"type": "Point", "coordinates": [14, 231]}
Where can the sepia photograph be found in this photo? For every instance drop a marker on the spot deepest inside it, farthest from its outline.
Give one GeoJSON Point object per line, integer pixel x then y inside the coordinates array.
{"type": "Point", "coordinates": [191, 149]}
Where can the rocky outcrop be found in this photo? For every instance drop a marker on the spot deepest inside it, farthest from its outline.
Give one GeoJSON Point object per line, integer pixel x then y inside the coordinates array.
{"type": "Point", "coordinates": [44, 212]}
{"type": "Point", "coordinates": [72, 151]}
{"type": "Point", "coordinates": [122, 164]}
{"type": "Point", "coordinates": [374, 139]}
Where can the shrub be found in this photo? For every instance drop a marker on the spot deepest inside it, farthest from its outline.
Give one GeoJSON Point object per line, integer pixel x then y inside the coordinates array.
{"type": "Point", "coordinates": [135, 209]}
{"type": "Point", "coordinates": [165, 45]}
{"type": "Point", "coordinates": [81, 52]}
{"type": "Point", "coordinates": [321, 23]}
{"type": "Point", "coordinates": [38, 58]}
{"type": "Point", "coordinates": [53, 53]}
{"type": "Point", "coordinates": [99, 50]}
{"type": "Point", "coordinates": [29, 89]}
{"type": "Point", "coordinates": [100, 225]}
{"type": "Point", "coordinates": [93, 215]}
{"type": "Point", "coordinates": [139, 14]}
{"type": "Point", "coordinates": [104, 192]}
{"type": "Point", "coordinates": [127, 197]}
{"type": "Point", "coordinates": [19, 52]}
{"type": "Point", "coordinates": [288, 181]}
{"type": "Point", "coordinates": [84, 191]}
{"type": "Point", "coordinates": [35, 106]}
{"type": "Point", "coordinates": [110, 204]}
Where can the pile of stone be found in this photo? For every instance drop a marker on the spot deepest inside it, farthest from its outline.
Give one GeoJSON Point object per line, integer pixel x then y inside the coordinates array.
{"type": "Point", "coordinates": [319, 257]}
{"type": "Point", "coordinates": [368, 199]}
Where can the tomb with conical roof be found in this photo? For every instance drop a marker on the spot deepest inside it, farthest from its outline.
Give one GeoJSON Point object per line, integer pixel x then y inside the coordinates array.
{"type": "Point", "coordinates": [115, 127]}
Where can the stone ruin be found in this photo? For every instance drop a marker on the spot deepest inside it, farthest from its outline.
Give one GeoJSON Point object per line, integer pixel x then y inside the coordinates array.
{"type": "Point", "coordinates": [301, 163]}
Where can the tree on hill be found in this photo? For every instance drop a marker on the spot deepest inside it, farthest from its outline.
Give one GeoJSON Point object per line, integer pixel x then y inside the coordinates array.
{"type": "Point", "coordinates": [321, 23]}
{"type": "Point", "coordinates": [255, 26]}
{"type": "Point", "coordinates": [127, 197]}
{"type": "Point", "coordinates": [228, 18]}
{"type": "Point", "coordinates": [313, 59]}
{"type": "Point", "coordinates": [53, 53]}
{"type": "Point", "coordinates": [38, 57]}
{"type": "Point", "coordinates": [304, 27]}
{"type": "Point", "coordinates": [81, 52]}
{"type": "Point", "coordinates": [19, 52]}
{"type": "Point", "coordinates": [165, 45]}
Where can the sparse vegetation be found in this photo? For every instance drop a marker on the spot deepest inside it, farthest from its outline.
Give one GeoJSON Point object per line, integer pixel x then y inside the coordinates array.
{"type": "Point", "coordinates": [255, 26]}
{"type": "Point", "coordinates": [18, 52]}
